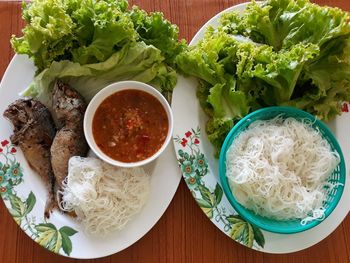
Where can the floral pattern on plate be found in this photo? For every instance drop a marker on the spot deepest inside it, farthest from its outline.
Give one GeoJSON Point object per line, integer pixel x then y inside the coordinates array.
{"type": "Point", "coordinates": [44, 233]}
{"type": "Point", "coordinates": [194, 168]}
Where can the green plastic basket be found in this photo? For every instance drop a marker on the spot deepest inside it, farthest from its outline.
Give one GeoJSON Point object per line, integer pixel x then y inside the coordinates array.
{"type": "Point", "coordinates": [338, 175]}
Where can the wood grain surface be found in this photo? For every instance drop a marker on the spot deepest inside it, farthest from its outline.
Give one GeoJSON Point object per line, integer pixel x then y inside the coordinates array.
{"type": "Point", "coordinates": [183, 234]}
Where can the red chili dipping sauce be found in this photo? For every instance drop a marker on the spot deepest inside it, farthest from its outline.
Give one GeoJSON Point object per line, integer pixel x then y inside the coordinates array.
{"type": "Point", "coordinates": [130, 126]}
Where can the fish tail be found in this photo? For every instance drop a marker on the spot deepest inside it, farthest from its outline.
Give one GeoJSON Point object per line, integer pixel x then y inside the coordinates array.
{"type": "Point", "coordinates": [51, 201]}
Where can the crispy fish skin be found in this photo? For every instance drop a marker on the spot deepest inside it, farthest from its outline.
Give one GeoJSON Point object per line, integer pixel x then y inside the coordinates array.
{"type": "Point", "coordinates": [69, 107]}
{"type": "Point", "coordinates": [34, 132]}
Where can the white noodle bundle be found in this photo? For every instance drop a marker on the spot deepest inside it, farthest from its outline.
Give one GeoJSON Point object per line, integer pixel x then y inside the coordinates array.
{"type": "Point", "coordinates": [279, 168]}
{"type": "Point", "coordinates": [104, 197]}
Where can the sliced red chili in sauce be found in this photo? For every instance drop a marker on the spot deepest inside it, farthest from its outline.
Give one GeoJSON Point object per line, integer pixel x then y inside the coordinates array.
{"type": "Point", "coordinates": [130, 126]}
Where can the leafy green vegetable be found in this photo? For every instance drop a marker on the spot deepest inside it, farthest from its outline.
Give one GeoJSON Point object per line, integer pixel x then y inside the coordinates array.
{"type": "Point", "coordinates": [81, 30]}
{"type": "Point", "coordinates": [154, 30]}
{"type": "Point", "coordinates": [135, 61]}
{"type": "Point", "coordinates": [279, 52]}
{"type": "Point", "coordinates": [91, 43]}
{"type": "Point", "coordinates": [284, 23]}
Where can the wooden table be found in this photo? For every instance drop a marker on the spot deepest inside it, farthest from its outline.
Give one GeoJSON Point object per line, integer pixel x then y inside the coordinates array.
{"type": "Point", "coordinates": [184, 233]}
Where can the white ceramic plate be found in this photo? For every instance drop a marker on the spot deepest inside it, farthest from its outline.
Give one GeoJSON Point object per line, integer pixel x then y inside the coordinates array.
{"type": "Point", "coordinates": [200, 171]}
{"type": "Point", "coordinates": [24, 193]}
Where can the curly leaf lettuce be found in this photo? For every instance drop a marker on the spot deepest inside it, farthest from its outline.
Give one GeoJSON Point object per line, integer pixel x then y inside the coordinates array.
{"type": "Point", "coordinates": [239, 76]}
{"type": "Point", "coordinates": [284, 23]}
{"type": "Point", "coordinates": [154, 29]}
{"type": "Point", "coordinates": [90, 43]}
{"type": "Point", "coordinates": [277, 52]}
{"type": "Point", "coordinates": [111, 31]}
{"type": "Point", "coordinates": [135, 61]}
{"type": "Point", "coordinates": [325, 85]}
{"type": "Point", "coordinates": [84, 31]}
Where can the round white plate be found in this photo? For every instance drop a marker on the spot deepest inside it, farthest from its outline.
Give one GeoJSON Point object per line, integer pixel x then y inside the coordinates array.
{"type": "Point", "coordinates": [200, 171]}
{"type": "Point", "coordinates": [24, 194]}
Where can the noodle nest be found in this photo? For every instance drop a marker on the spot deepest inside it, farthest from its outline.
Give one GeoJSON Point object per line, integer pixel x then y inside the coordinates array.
{"type": "Point", "coordinates": [103, 197]}
{"type": "Point", "coordinates": [279, 168]}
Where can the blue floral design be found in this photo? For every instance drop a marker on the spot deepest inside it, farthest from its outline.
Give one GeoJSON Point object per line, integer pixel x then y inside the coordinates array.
{"type": "Point", "coordinates": [187, 168]}
{"type": "Point", "coordinates": [5, 189]}
{"type": "Point", "coordinates": [194, 167]}
{"type": "Point", "coordinates": [45, 233]}
{"type": "Point", "coordinates": [14, 173]}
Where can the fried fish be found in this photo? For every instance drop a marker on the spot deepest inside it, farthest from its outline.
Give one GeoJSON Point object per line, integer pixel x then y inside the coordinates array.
{"type": "Point", "coordinates": [34, 132]}
{"type": "Point", "coordinates": [69, 108]}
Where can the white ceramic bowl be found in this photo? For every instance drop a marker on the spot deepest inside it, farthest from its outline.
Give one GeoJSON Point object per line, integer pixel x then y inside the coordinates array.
{"type": "Point", "coordinates": [106, 92]}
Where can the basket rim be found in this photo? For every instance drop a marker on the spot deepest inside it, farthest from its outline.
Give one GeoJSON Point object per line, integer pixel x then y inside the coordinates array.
{"type": "Point", "coordinates": [249, 215]}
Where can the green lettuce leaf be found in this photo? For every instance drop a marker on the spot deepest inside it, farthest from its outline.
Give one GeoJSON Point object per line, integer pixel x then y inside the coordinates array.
{"type": "Point", "coordinates": [284, 23]}
{"type": "Point", "coordinates": [111, 30]}
{"type": "Point", "coordinates": [84, 31]}
{"type": "Point", "coordinates": [217, 129]}
{"type": "Point", "coordinates": [325, 83]}
{"type": "Point", "coordinates": [273, 74]}
{"type": "Point", "coordinates": [135, 61]}
{"type": "Point", "coordinates": [90, 44]}
{"type": "Point", "coordinates": [202, 60]}
{"type": "Point", "coordinates": [48, 33]}
{"type": "Point", "coordinates": [278, 52]}
{"type": "Point", "coordinates": [155, 30]}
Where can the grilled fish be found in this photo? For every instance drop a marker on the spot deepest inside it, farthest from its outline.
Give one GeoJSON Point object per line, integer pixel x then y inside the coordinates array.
{"type": "Point", "coordinates": [34, 132]}
{"type": "Point", "coordinates": [69, 108]}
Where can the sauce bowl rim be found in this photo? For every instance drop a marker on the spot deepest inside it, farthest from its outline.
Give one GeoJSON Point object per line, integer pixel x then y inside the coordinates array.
{"type": "Point", "coordinates": [112, 89]}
